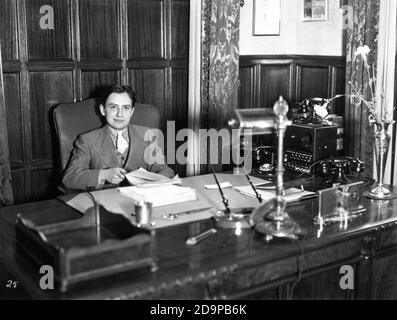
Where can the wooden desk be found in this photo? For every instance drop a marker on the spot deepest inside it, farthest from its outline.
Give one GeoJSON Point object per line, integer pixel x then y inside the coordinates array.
{"type": "Point", "coordinates": [231, 266]}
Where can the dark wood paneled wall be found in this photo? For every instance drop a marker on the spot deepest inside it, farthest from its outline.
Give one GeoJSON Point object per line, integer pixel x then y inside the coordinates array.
{"type": "Point", "coordinates": [94, 43]}
{"type": "Point", "coordinates": [264, 78]}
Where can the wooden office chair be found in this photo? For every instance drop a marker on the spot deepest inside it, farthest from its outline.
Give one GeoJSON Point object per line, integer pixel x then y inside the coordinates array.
{"type": "Point", "coordinates": [73, 119]}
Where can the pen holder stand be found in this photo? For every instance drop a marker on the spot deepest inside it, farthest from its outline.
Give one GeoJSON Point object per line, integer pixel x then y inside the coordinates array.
{"type": "Point", "coordinates": [234, 219]}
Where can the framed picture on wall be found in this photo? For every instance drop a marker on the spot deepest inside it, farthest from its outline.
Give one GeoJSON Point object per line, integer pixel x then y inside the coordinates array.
{"type": "Point", "coordinates": [266, 18]}
{"type": "Point", "coordinates": [315, 10]}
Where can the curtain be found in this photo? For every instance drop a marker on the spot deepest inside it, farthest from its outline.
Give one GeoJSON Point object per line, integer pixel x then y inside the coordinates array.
{"type": "Point", "coordinates": [362, 29]}
{"type": "Point", "coordinates": [220, 65]}
{"type": "Point", "coordinates": [6, 196]}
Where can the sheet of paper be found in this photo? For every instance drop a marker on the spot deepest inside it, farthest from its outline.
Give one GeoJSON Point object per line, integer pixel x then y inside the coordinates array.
{"type": "Point", "coordinates": [223, 185]}
{"type": "Point", "coordinates": [142, 176]}
{"type": "Point", "coordinates": [111, 199]}
{"type": "Point", "coordinates": [134, 180]}
{"type": "Point", "coordinates": [146, 175]}
{"type": "Point", "coordinates": [160, 195]}
{"type": "Point", "coordinates": [264, 184]}
{"type": "Point", "coordinates": [175, 180]}
{"type": "Point", "coordinates": [291, 194]}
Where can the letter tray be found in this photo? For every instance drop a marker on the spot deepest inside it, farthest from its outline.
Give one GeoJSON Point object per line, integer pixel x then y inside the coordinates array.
{"type": "Point", "coordinates": [81, 249]}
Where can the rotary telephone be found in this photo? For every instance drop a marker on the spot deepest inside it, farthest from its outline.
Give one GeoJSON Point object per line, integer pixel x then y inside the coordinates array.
{"type": "Point", "coordinates": [264, 159]}
{"type": "Point", "coordinates": [339, 169]}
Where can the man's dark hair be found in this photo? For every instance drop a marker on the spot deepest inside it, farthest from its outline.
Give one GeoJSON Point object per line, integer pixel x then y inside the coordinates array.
{"type": "Point", "coordinates": [119, 89]}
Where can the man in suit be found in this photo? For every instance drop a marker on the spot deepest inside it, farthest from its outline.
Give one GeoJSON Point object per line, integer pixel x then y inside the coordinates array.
{"type": "Point", "coordinates": [103, 156]}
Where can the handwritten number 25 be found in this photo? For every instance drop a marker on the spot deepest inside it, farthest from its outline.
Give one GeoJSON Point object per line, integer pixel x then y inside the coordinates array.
{"type": "Point", "coordinates": [12, 284]}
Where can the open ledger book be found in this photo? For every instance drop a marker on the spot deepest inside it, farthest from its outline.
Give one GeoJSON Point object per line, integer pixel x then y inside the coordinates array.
{"type": "Point", "coordinates": [143, 177]}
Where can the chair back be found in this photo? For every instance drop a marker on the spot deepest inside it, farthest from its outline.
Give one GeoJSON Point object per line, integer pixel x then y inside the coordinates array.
{"type": "Point", "coordinates": [73, 119]}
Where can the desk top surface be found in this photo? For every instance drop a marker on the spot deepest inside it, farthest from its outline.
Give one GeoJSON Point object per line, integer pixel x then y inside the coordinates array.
{"type": "Point", "coordinates": [178, 262]}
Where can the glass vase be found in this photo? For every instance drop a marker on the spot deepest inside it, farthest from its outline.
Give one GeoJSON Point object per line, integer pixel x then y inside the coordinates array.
{"type": "Point", "coordinates": [382, 141]}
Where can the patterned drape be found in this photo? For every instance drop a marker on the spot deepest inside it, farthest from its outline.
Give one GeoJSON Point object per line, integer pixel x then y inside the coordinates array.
{"type": "Point", "coordinates": [363, 29]}
{"type": "Point", "coordinates": [220, 63]}
{"type": "Point", "coordinates": [6, 196]}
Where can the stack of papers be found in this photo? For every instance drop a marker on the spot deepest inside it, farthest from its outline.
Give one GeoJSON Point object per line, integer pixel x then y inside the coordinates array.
{"type": "Point", "coordinates": [144, 177]}
{"type": "Point", "coordinates": [160, 195]}
{"type": "Point", "coordinates": [291, 194]}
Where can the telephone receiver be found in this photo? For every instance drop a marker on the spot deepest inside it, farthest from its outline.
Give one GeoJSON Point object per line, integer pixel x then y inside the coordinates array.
{"type": "Point", "coordinates": [338, 169]}
{"type": "Point", "coordinates": [307, 112]}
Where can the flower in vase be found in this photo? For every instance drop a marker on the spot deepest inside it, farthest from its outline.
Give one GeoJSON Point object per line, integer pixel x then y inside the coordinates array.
{"type": "Point", "coordinates": [375, 103]}
{"type": "Point", "coordinates": [363, 51]}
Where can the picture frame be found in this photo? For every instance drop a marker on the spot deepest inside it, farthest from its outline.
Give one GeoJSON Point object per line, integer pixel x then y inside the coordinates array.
{"type": "Point", "coordinates": [315, 10]}
{"type": "Point", "coordinates": [266, 18]}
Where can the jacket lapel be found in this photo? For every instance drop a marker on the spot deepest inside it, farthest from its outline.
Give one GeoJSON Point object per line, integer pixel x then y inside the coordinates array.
{"type": "Point", "coordinates": [136, 150]}
{"type": "Point", "coordinates": [105, 149]}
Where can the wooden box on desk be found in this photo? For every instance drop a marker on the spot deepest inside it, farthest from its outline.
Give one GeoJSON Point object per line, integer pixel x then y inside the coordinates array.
{"type": "Point", "coordinates": [81, 249]}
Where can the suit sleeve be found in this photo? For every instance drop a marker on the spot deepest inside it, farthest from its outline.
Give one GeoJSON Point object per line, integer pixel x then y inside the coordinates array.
{"type": "Point", "coordinates": [78, 175]}
{"type": "Point", "coordinates": [162, 169]}
{"type": "Point", "coordinates": [160, 166]}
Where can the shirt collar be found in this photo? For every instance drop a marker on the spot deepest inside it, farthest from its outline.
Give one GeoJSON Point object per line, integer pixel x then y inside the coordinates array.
{"type": "Point", "coordinates": [113, 132]}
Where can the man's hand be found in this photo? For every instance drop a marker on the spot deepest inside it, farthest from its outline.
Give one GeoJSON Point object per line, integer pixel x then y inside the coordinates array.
{"type": "Point", "coordinates": [112, 175]}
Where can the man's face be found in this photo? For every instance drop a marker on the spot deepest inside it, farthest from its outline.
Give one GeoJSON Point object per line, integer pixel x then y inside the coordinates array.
{"type": "Point", "coordinates": [117, 110]}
